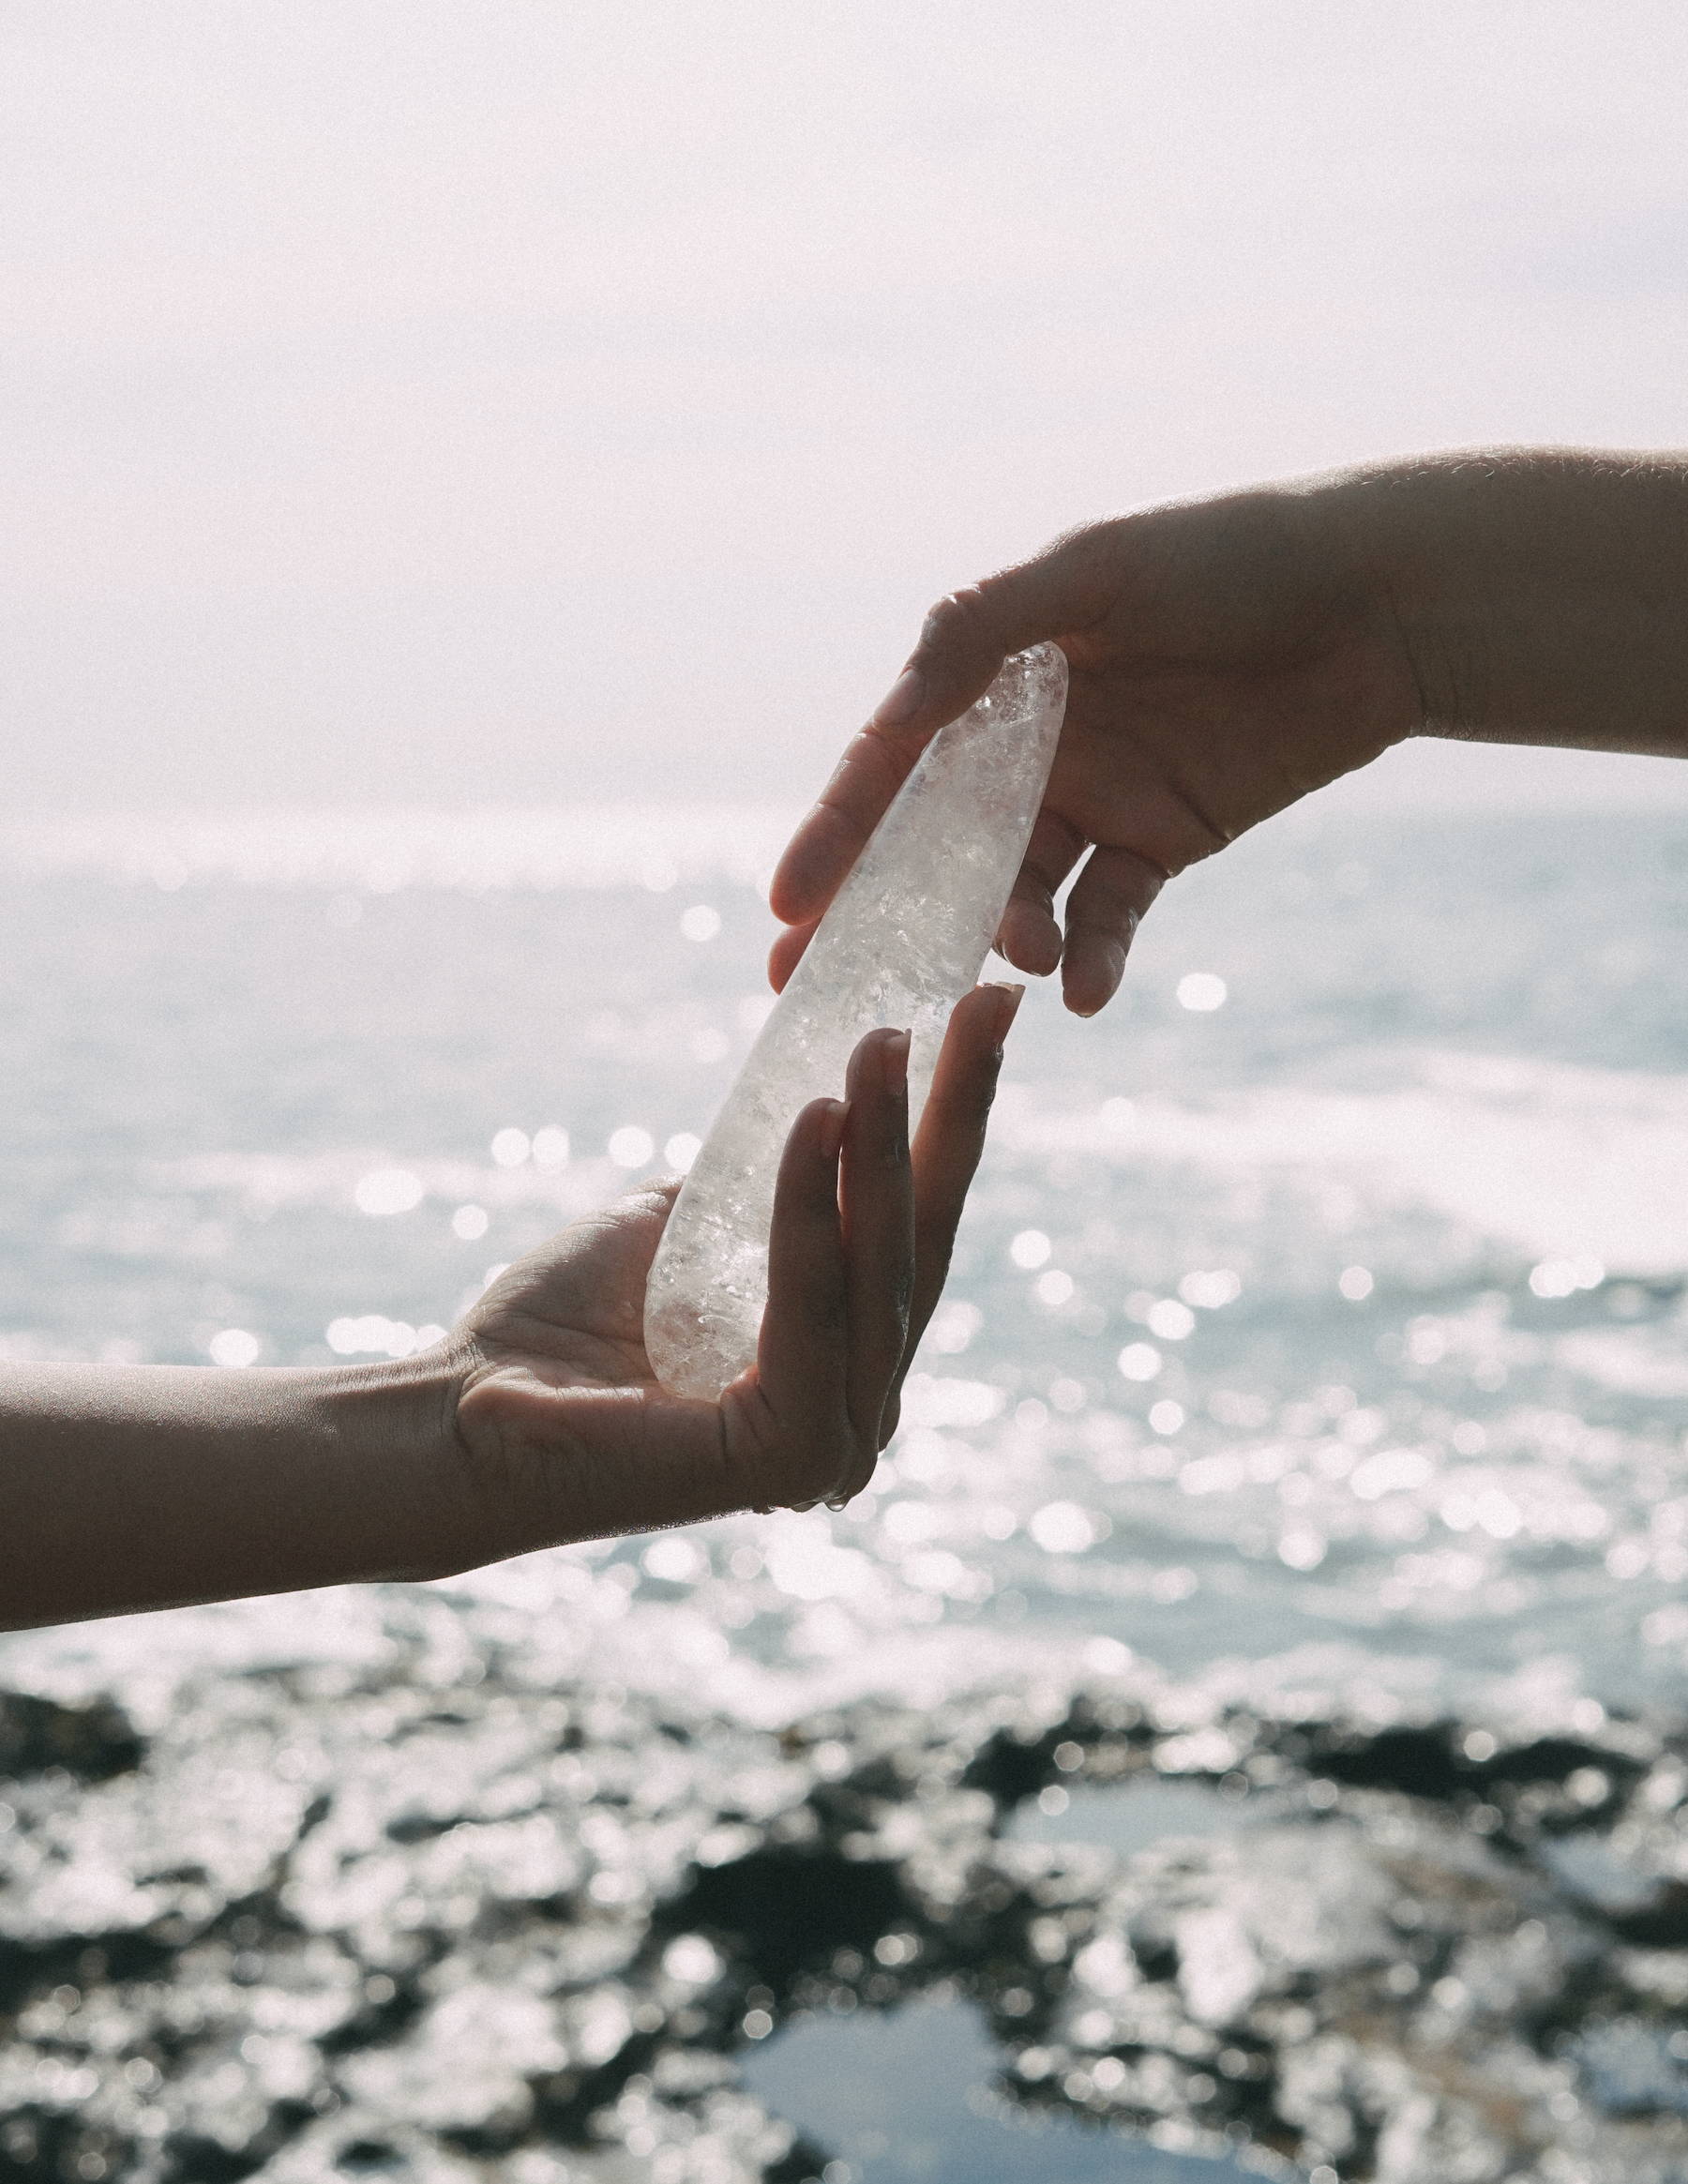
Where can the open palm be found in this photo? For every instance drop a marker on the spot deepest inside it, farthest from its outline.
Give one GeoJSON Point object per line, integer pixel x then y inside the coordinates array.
{"type": "Point", "coordinates": [569, 1433]}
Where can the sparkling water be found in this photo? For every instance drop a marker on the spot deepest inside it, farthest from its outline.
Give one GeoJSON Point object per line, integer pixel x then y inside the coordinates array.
{"type": "Point", "coordinates": [1318, 1325]}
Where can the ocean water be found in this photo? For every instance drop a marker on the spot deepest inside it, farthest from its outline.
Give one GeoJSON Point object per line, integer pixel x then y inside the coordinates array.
{"type": "Point", "coordinates": [1329, 1343]}
{"type": "Point", "coordinates": [1317, 1350]}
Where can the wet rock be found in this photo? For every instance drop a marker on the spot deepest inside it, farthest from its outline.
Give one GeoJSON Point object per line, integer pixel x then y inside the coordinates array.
{"type": "Point", "coordinates": [39, 1734]}
{"type": "Point", "coordinates": [399, 1925]}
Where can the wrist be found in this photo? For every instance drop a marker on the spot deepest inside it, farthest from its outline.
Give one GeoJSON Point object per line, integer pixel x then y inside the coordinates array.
{"type": "Point", "coordinates": [398, 1420]}
{"type": "Point", "coordinates": [1537, 592]}
{"type": "Point", "coordinates": [1395, 548]}
{"type": "Point", "coordinates": [1440, 556]}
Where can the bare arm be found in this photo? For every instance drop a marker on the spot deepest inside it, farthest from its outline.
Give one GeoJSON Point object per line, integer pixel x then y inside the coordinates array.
{"type": "Point", "coordinates": [1231, 656]}
{"type": "Point", "coordinates": [1543, 593]}
{"type": "Point", "coordinates": [138, 1487]}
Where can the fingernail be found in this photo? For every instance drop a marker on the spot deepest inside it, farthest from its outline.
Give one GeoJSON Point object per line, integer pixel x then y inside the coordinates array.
{"type": "Point", "coordinates": [832, 1127]}
{"type": "Point", "coordinates": [1008, 1007]}
{"type": "Point", "coordinates": [894, 1061]}
{"type": "Point", "coordinates": [902, 700]}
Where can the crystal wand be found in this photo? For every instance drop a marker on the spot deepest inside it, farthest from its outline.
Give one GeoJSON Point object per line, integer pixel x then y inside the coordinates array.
{"type": "Point", "coordinates": [903, 939]}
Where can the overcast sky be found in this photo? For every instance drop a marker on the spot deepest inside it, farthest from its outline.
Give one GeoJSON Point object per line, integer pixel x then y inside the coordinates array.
{"type": "Point", "coordinates": [497, 400]}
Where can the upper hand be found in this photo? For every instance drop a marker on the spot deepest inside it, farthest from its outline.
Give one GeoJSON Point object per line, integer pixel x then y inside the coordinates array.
{"type": "Point", "coordinates": [1227, 656]}
{"type": "Point", "coordinates": [564, 1427]}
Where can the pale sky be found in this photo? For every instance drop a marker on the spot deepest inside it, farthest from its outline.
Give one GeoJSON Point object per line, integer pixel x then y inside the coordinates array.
{"type": "Point", "coordinates": [490, 400]}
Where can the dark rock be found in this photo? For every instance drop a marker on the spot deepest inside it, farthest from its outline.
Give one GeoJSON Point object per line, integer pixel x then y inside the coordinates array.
{"type": "Point", "coordinates": [92, 1742]}
{"type": "Point", "coordinates": [783, 1911]}
{"type": "Point", "coordinates": [321, 1926]}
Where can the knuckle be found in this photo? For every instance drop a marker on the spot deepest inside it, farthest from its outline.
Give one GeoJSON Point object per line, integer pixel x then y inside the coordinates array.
{"type": "Point", "coordinates": [1096, 541]}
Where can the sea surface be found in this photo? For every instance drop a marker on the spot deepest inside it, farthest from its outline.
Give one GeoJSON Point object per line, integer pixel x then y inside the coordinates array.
{"type": "Point", "coordinates": [1332, 1337]}
{"type": "Point", "coordinates": [1317, 1339]}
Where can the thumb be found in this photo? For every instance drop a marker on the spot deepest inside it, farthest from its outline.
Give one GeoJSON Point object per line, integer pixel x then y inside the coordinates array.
{"type": "Point", "coordinates": [969, 634]}
{"type": "Point", "coordinates": [966, 638]}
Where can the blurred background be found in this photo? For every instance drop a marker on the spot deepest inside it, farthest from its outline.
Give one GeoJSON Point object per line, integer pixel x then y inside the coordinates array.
{"type": "Point", "coordinates": [411, 401]}
{"type": "Point", "coordinates": [467, 469]}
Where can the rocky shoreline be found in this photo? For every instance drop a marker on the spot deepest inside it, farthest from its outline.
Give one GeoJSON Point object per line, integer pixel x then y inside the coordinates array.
{"type": "Point", "coordinates": [317, 1922]}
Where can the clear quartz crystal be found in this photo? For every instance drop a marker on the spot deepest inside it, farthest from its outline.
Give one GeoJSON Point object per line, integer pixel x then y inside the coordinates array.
{"type": "Point", "coordinates": [902, 942]}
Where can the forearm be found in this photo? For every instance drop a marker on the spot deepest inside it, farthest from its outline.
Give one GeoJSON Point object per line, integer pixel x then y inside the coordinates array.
{"type": "Point", "coordinates": [127, 1487]}
{"type": "Point", "coordinates": [1543, 593]}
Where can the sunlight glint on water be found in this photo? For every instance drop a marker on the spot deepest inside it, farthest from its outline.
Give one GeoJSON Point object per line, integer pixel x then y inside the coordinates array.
{"type": "Point", "coordinates": [1329, 1339]}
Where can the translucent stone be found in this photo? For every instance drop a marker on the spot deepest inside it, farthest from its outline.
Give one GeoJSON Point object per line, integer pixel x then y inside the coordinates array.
{"type": "Point", "coordinates": [903, 939]}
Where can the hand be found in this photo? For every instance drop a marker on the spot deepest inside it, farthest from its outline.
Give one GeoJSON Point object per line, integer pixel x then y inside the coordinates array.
{"type": "Point", "coordinates": [125, 1487]}
{"type": "Point", "coordinates": [568, 1434]}
{"type": "Point", "coordinates": [1227, 656]}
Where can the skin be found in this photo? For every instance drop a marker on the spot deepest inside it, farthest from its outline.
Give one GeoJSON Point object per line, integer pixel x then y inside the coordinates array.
{"type": "Point", "coordinates": [1232, 654]}
{"type": "Point", "coordinates": [539, 1420]}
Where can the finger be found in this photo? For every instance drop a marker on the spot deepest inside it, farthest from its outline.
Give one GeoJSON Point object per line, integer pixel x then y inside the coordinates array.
{"type": "Point", "coordinates": [791, 944]}
{"type": "Point", "coordinates": [947, 1148]}
{"type": "Point", "coordinates": [967, 635]}
{"type": "Point", "coordinates": [1030, 934]}
{"type": "Point", "coordinates": [951, 1136]}
{"type": "Point", "coordinates": [962, 644]}
{"type": "Point", "coordinates": [1108, 899]}
{"type": "Point", "coordinates": [878, 1230]}
{"type": "Point", "coordinates": [946, 1152]}
{"type": "Point", "coordinates": [874, 767]}
{"type": "Point", "coordinates": [803, 1354]}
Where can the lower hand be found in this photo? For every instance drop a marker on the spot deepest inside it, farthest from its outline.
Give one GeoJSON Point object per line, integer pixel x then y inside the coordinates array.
{"type": "Point", "coordinates": [565, 1431]}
